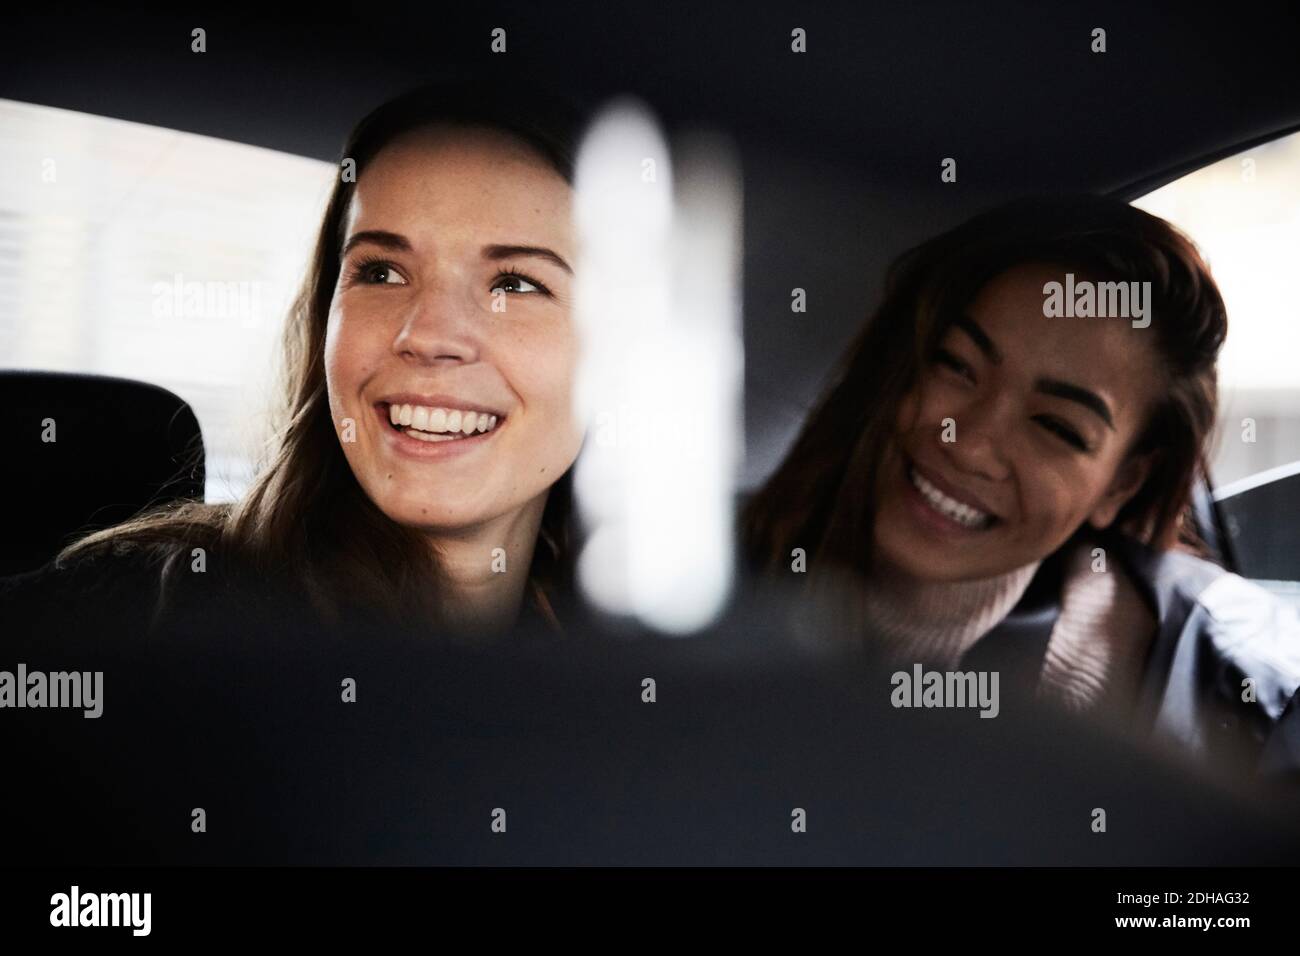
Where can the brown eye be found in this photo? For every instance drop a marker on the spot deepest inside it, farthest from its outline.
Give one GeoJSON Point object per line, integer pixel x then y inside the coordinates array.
{"type": "Point", "coordinates": [375, 272]}
{"type": "Point", "coordinates": [519, 283]}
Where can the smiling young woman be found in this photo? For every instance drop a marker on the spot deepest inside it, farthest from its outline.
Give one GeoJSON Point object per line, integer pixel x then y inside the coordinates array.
{"type": "Point", "coordinates": [421, 466]}
{"type": "Point", "coordinates": [970, 445]}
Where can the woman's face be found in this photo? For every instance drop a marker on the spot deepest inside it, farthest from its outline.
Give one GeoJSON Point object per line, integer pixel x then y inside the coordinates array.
{"type": "Point", "coordinates": [1040, 412]}
{"type": "Point", "coordinates": [452, 314]}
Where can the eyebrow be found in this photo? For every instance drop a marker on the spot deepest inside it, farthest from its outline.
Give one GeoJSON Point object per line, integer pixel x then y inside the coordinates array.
{"type": "Point", "coordinates": [1074, 393]}
{"type": "Point", "coordinates": [494, 252]}
{"type": "Point", "coordinates": [1048, 386]}
{"type": "Point", "coordinates": [979, 337]}
{"type": "Point", "coordinates": [379, 237]}
{"type": "Point", "coordinates": [536, 252]}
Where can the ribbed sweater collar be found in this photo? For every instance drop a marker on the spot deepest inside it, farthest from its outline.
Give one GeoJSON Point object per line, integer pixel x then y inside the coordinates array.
{"type": "Point", "coordinates": [938, 622]}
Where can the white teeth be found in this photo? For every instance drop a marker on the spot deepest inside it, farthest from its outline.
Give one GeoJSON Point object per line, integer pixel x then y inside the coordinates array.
{"type": "Point", "coordinates": [442, 422]}
{"type": "Point", "coordinates": [949, 507]}
{"type": "Point", "coordinates": [432, 436]}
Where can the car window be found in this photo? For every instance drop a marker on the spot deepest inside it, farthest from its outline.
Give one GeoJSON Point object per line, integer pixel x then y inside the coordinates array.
{"type": "Point", "coordinates": [1244, 214]}
{"type": "Point", "coordinates": [156, 255]}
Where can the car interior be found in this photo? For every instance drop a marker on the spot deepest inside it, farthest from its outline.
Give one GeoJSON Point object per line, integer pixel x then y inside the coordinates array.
{"type": "Point", "coordinates": [833, 174]}
{"type": "Point", "coordinates": [839, 152]}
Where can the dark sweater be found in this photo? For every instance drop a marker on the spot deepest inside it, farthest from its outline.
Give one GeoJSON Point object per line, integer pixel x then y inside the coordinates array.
{"type": "Point", "coordinates": [125, 601]}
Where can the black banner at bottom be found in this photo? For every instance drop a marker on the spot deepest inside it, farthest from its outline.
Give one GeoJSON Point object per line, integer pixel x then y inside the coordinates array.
{"type": "Point", "coordinates": [94, 906]}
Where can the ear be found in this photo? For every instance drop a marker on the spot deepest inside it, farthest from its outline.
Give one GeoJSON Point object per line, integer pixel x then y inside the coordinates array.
{"type": "Point", "coordinates": [1128, 479]}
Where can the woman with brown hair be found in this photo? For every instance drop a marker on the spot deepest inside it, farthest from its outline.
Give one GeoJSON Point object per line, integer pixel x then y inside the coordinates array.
{"type": "Point", "coordinates": [980, 447]}
{"type": "Point", "coordinates": [421, 465]}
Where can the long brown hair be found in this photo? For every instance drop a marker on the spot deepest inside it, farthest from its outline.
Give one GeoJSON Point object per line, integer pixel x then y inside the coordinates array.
{"type": "Point", "coordinates": [821, 498]}
{"type": "Point", "coordinates": [305, 518]}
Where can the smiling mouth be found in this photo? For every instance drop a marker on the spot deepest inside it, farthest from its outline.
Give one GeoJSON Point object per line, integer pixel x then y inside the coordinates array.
{"type": "Point", "coordinates": [967, 516]}
{"type": "Point", "coordinates": [430, 424]}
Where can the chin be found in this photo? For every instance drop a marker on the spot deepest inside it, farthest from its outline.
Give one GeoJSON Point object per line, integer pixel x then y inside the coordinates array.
{"type": "Point", "coordinates": [919, 564]}
{"type": "Point", "coordinates": [427, 518]}
{"type": "Point", "coordinates": [898, 547]}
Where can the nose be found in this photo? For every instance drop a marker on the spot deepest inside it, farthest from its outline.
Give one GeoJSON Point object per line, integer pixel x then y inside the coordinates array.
{"type": "Point", "coordinates": [440, 326]}
{"type": "Point", "coordinates": [981, 441]}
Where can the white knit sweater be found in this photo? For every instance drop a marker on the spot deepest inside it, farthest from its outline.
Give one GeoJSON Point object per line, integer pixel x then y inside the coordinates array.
{"type": "Point", "coordinates": [1094, 656]}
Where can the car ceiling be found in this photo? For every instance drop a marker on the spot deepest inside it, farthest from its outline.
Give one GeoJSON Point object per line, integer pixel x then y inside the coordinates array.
{"type": "Point", "coordinates": [840, 146]}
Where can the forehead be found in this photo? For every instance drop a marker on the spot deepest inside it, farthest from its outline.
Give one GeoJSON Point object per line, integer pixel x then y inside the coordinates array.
{"type": "Point", "coordinates": [1106, 355]}
{"type": "Point", "coordinates": [451, 181]}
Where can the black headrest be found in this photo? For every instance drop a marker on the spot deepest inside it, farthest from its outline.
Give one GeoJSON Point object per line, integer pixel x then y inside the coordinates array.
{"type": "Point", "coordinates": [84, 452]}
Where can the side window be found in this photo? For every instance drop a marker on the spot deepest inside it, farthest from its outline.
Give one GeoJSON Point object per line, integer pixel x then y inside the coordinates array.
{"type": "Point", "coordinates": [156, 255]}
{"type": "Point", "coordinates": [1244, 214]}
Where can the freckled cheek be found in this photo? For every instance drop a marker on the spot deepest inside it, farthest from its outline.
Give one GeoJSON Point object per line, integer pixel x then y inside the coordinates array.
{"type": "Point", "coordinates": [336, 374]}
{"type": "Point", "coordinates": [351, 354]}
{"type": "Point", "coordinates": [542, 373]}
